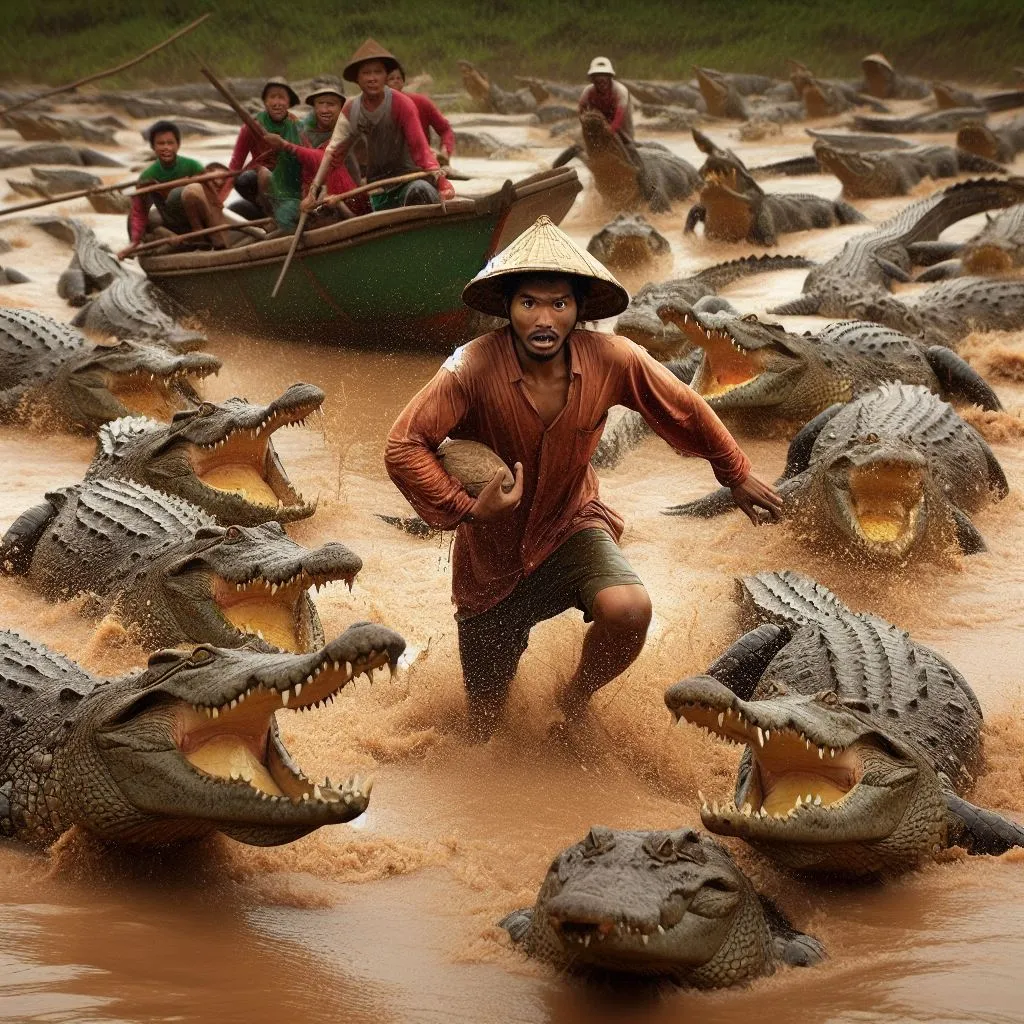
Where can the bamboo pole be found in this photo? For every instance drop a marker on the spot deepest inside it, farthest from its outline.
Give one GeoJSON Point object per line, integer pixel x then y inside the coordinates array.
{"type": "Point", "coordinates": [247, 119]}
{"type": "Point", "coordinates": [120, 187]}
{"type": "Point", "coordinates": [111, 71]}
{"type": "Point", "coordinates": [373, 186]}
{"type": "Point", "coordinates": [342, 129]}
{"type": "Point", "coordinates": [231, 225]}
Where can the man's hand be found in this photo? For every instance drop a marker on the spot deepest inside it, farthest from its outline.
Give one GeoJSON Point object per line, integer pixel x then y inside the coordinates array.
{"type": "Point", "coordinates": [273, 141]}
{"type": "Point", "coordinates": [492, 502]}
{"type": "Point", "coordinates": [127, 251]}
{"type": "Point", "coordinates": [753, 494]}
{"type": "Point", "coordinates": [445, 188]}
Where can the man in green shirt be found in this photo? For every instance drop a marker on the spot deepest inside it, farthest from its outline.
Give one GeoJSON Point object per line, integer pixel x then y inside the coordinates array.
{"type": "Point", "coordinates": [182, 208]}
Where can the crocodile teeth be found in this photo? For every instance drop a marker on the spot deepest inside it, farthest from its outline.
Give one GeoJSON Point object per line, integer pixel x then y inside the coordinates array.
{"type": "Point", "coordinates": [317, 793]}
{"type": "Point", "coordinates": [821, 753]}
{"type": "Point", "coordinates": [298, 689]}
{"type": "Point", "coordinates": [285, 694]}
{"type": "Point", "coordinates": [817, 801]}
{"type": "Point", "coordinates": [721, 719]}
{"type": "Point", "coordinates": [760, 737]}
{"type": "Point", "coordinates": [643, 939]}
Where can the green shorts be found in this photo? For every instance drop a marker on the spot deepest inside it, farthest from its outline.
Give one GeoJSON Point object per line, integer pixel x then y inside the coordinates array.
{"type": "Point", "coordinates": [491, 643]}
{"type": "Point", "coordinates": [173, 213]}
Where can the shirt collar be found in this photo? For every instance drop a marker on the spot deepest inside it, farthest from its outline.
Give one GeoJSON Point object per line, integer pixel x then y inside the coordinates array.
{"type": "Point", "coordinates": [515, 371]}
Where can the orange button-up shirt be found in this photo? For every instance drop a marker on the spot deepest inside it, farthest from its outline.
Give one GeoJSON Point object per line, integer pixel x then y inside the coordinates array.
{"type": "Point", "coordinates": [479, 395]}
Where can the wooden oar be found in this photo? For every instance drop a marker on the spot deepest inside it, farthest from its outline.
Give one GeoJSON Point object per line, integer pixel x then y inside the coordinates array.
{"type": "Point", "coordinates": [374, 186]}
{"type": "Point", "coordinates": [247, 119]}
{"type": "Point", "coordinates": [177, 239]}
{"type": "Point", "coordinates": [341, 132]}
{"type": "Point", "coordinates": [120, 187]}
{"type": "Point", "coordinates": [106, 74]}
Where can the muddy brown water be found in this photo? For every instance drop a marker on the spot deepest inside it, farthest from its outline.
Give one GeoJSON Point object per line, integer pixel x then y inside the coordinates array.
{"type": "Point", "coordinates": [394, 917]}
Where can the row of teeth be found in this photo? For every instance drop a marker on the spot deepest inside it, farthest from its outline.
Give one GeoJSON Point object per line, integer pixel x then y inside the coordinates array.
{"type": "Point", "coordinates": [356, 787]}
{"type": "Point", "coordinates": [179, 374]}
{"type": "Point", "coordinates": [255, 431]}
{"type": "Point", "coordinates": [747, 810]}
{"type": "Point", "coordinates": [618, 931]}
{"type": "Point", "coordinates": [314, 581]}
{"type": "Point", "coordinates": [352, 672]}
{"type": "Point", "coordinates": [763, 735]}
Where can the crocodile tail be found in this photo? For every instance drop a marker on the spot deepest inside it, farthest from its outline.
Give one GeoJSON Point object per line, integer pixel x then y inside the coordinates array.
{"type": "Point", "coordinates": [788, 599]}
{"type": "Point", "coordinates": [722, 274]}
{"type": "Point", "coordinates": [411, 524]}
{"type": "Point", "coordinates": [1003, 100]}
{"type": "Point", "coordinates": [980, 830]}
{"type": "Point", "coordinates": [806, 305]}
{"type": "Point", "coordinates": [799, 165]}
{"type": "Point", "coordinates": [847, 214]}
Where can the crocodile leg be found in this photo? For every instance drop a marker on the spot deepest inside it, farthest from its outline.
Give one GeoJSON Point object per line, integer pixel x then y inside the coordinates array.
{"type": "Point", "coordinates": [697, 215]}
{"type": "Point", "coordinates": [798, 458]}
{"type": "Point", "coordinates": [944, 271]}
{"type": "Point", "coordinates": [927, 254]}
{"type": "Point", "coordinates": [566, 155]}
{"type": "Point", "coordinates": [806, 305]}
{"type": "Point", "coordinates": [19, 543]}
{"type": "Point", "coordinates": [967, 536]}
{"type": "Point", "coordinates": [979, 830]}
{"type": "Point", "coordinates": [794, 948]}
{"type": "Point", "coordinates": [959, 379]}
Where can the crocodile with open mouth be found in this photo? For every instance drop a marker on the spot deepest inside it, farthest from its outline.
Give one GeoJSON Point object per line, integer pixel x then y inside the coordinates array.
{"type": "Point", "coordinates": [868, 262]}
{"type": "Point", "coordinates": [996, 249]}
{"type": "Point", "coordinates": [631, 244]}
{"type": "Point", "coordinates": [758, 370]}
{"type": "Point", "coordinates": [186, 747]}
{"type": "Point", "coordinates": [640, 322]}
{"type": "Point", "coordinates": [1002, 143]}
{"type": "Point", "coordinates": [163, 565]}
{"type": "Point", "coordinates": [51, 371]}
{"type": "Point", "coordinates": [220, 456]}
{"type": "Point", "coordinates": [892, 475]}
{"type": "Point", "coordinates": [734, 208]}
{"type": "Point", "coordinates": [659, 904]}
{"type": "Point", "coordinates": [859, 741]}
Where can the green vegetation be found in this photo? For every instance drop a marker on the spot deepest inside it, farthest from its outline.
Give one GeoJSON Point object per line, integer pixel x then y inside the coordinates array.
{"type": "Point", "coordinates": [54, 41]}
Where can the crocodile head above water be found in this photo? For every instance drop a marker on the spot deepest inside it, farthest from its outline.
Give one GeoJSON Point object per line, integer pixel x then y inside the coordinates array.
{"type": "Point", "coordinates": [220, 457]}
{"type": "Point", "coordinates": [191, 745]}
{"type": "Point", "coordinates": [654, 903]}
{"type": "Point", "coordinates": [109, 381]}
{"type": "Point", "coordinates": [748, 364]}
{"type": "Point", "coordinates": [823, 785]}
{"type": "Point", "coordinates": [861, 174]}
{"type": "Point", "coordinates": [232, 585]}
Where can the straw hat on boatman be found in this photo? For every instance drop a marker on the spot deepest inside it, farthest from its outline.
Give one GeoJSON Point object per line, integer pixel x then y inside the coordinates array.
{"type": "Point", "coordinates": [537, 392]}
{"type": "Point", "coordinates": [608, 96]}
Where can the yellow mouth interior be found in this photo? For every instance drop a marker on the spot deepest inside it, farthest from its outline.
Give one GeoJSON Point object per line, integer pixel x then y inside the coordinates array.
{"type": "Point", "coordinates": [237, 466]}
{"type": "Point", "coordinates": [988, 259]}
{"type": "Point", "coordinates": [885, 500]}
{"type": "Point", "coordinates": [145, 396]}
{"type": "Point", "coordinates": [229, 757]}
{"type": "Point", "coordinates": [271, 612]}
{"type": "Point", "coordinates": [725, 366]}
{"type": "Point", "coordinates": [241, 479]}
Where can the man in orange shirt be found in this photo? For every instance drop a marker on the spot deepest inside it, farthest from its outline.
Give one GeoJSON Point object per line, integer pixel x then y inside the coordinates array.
{"type": "Point", "coordinates": [537, 392]}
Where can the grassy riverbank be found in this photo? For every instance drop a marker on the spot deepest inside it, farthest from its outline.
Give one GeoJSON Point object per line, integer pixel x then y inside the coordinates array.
{"type": "Point", "coordinates": [971, 40]}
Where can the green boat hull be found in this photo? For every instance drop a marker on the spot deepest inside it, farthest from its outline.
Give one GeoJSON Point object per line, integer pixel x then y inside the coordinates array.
{"type": "Point", "coordinates": [391, 280]}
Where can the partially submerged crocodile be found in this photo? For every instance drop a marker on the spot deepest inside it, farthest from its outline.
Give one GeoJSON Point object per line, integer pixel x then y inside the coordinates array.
{"type": "Point", "coordinates": [93, 266]}
{"type": "Point", "coordinates": [896, 172]}
{"type": "Point", "coordinates": [859, 741]}
{"type": "Point", "coordinates": [52, 371]}
{"type": "Point", "coordinates": [163, 565]}
{"type": "Point", "coordinates": [640, 322]}
{"type": "Point", "coordinates": [948, 97]}
{"type": "Point", "coordinates": [669, 904]}
{"type": "Point", "coordinates": [630, 243]}
{"type": "Point", "coordinates": [868, 262]}
{"type": "Point", "coordinates": [827, 97]}
{"type": "Point", "coordinates": [220, 457]}
{"type": "Point", "coordinates": [627, 176]}
{"type": "Point", "coordinates": [186, 747]}
{"type": "Point", "coordinates": [724, 96]}
{"type": "Point", "coordinates": [133, 307]}
{"type": "Point", "coordinates": [893, 474]}
{"type": "Point", "coordinates": [760, 370]}
{"type": "Point", "coordinates": [882, 80]}
{"type": "Point", "coordinates": [491, 97]}
{"type": "Point", "coordinates": [947, 312]}
{"type": "Point", "coordinates": [1001, 144]}
{"type": "Point", "coordinates": [54, 153]}
{"type": "Point", "coordinates": [937, 121]}
{"type": "Point", "coordinates": [734, 208]}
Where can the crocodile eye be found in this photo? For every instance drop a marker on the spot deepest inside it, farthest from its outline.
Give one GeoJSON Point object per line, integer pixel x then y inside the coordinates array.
{"type": "Point", "coordinates": [871, 439]}
{"type": "Point", "coordinates": [598, 840]}
{"type": "Point", "coordinates": [201, 655]}
{"type": "Point", "coordinates": [232, 533]}
{"type": "Point", "coordinates": [831, 698]}
{"type": "Point", "coordinates": [207, 409]}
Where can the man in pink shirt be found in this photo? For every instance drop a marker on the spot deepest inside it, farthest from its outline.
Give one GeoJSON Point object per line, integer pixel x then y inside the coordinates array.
{"type": "Point", "coordinates": [389, 123]}
{"type": "Point", "coordinates": [537, 392]}
{"type": "Point", "coordinates": [608, 96]}
{"type": "Point", "coordinates": [430, 116]}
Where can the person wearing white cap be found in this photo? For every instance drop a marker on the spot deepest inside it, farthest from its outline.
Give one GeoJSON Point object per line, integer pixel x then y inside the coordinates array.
{"type": "Point", "coordinates": [537, 392]}
{"type": "Point", "coordinates": [608, 96]}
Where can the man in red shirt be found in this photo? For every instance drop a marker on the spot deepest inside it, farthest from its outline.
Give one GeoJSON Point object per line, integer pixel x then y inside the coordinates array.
{"type": "Point", "coordinates": [608, 96]}
{"type": "Point", "coordinates": [390, 124]}
{"type": "Point", "coordinates": [538, 392]}
{"type": "Point", "coordinates": [430, 116]}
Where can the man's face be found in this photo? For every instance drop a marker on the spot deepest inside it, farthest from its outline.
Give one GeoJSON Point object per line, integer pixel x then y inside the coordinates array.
{"type": "Point", "coordinates": [327, 107]}
{"type": "Point", "coordinates": [372, 77]}
{"type": "Point", "coordinates": [396, 81]}
{"type": "Point", "coordinates": [602, 84]}
{"type": "Point", "coordinates": [165, 145]}
{"type": "Point", "coordinates": [543, 314]}
{"type": "Point", "coordinates": [275, 101]}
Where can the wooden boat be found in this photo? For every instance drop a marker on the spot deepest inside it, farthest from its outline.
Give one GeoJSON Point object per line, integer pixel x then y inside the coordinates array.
{"type": "Point", "coordinates": [390, 280]}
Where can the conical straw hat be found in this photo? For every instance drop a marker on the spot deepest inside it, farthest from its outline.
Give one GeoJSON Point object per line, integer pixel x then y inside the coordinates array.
{"type": "Point", "coordinates": [370, 50]}
{"type": "Point", "coordinates": [293, 96]}
{"type": "Point", "coordinates": [544, 248]}
{"type": "Point", "coordinates": [877, 58]}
